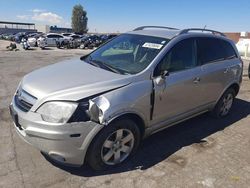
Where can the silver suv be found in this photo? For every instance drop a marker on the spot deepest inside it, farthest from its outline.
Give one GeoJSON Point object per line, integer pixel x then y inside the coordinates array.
{"type": "Point", "coordinates": [98, 108]}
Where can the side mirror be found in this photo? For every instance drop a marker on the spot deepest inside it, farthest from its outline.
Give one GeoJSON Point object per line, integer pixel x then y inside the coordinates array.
{"type": "Point", "coordinates": [164, 74]}
{"type": "Point", "coordinates": [159, 80]}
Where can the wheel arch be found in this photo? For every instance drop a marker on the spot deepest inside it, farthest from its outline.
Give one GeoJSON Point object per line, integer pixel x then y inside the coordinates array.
{"type": "Point", "coordinates": [235, 86]}
{"type": "Point", "coordinates": [134, 117]}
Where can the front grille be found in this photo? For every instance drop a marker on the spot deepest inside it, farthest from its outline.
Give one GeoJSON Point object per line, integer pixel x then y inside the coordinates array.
{"type": "Point", "coordinates": [22, 105]}
{"type": "Point", "coordinates": [22, 99]}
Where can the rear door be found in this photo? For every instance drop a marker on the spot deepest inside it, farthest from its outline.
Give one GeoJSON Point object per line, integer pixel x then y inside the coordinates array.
{"type": "Point", "coordinates": [217, 59]}
{"type": "Point", "coordinates": [50, 40]}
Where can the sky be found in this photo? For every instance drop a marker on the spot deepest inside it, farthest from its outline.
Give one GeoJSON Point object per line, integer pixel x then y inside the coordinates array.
{"type": "Point", "coordinates": [125, 15]}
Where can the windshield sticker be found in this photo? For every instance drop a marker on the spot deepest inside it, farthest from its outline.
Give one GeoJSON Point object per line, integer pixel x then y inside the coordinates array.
{"type": "Point", "coordinates": [163, 42]}
{"type": "Point", "coordinates": [152, 45]}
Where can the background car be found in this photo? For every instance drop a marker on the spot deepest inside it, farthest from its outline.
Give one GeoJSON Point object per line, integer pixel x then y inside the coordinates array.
{"type": "Point", "coordinates": [54, 39]}
{"type": "Point", "coordinates": [91, 41]}
{"type": "Point", "coordinates": [9, 36]}
{"type": "Point", "coordinates": [243, 46]}
{"type": "Point", "coordinates": [32, 39]}
{"type": "Point", "coordinates": [107, 37]}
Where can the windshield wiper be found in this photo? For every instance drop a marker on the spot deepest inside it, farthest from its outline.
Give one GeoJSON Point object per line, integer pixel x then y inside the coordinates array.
{"type": "Point", "coordinates": [101, 64]}
{"type": "Point", "coordinates": [107, 67]}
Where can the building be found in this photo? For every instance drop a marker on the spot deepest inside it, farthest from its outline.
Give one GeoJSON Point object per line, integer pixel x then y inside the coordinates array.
{"type": "Point", "coordinates": [43, 28]}
{"type": "Point", "coordinates": [53, 29]}
{"type": "Point", "coordinates": [15, 27]}
{"type": "Point", "coordinates": [235, 36]}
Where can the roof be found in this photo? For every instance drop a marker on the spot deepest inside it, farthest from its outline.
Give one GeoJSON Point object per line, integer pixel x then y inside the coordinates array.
{"type": "Point", "coordinates": [169, 33]}
{"type": "Point", "coordinates": [17, 23]}
{"type": "Point", "coordinates": [157, 33]}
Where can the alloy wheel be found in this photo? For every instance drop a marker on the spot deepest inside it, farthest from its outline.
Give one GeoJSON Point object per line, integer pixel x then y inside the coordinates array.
{"type": "Point", "coordinates": [117, 147]}
{"type": "Point", "coordinates": [226, 104]}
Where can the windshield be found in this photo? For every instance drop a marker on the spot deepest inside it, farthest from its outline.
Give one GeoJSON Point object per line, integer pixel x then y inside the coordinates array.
{"type": "Point", "coordinates": [127, 53]}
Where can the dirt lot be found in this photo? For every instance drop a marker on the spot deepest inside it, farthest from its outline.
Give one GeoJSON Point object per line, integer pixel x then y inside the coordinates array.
{"type": "Point", "coordinates": [201, 152]}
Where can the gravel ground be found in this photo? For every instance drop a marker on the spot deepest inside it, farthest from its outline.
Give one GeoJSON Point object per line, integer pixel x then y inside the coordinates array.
{"type": "Point", "coordinates": [201, 152]}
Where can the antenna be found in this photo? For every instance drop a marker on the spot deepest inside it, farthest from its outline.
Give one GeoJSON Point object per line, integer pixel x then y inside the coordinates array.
{"type": "Point", "coordinates": [204, 28]}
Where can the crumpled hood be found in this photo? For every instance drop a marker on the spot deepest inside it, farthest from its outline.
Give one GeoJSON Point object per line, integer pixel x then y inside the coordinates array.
{"type": "Point", "coordinates": [71, 80]}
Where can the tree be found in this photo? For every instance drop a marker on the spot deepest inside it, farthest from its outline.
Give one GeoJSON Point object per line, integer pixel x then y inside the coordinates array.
{"type": "Point", "coordinates": [79, 19]}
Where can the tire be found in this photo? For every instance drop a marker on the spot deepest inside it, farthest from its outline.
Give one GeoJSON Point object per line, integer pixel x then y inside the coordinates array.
{"type": "Point", "coordinates": [225, 103]}
{"type": "Point", "coordinates": [59, 45]}
{"type": "Point", "coordinates": [106, 147]}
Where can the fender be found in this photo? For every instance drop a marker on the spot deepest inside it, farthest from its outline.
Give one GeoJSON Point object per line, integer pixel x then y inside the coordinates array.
{"type": "Point", "coordinates": [117, 115]}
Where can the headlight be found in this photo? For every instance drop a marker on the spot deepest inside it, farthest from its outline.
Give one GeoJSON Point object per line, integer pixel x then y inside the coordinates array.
{"type": "Point", "coordinates": [57, 112]}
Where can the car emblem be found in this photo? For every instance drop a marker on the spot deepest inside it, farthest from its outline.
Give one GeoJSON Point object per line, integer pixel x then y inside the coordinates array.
{"type": "Point", "coordinates": [20, 95]}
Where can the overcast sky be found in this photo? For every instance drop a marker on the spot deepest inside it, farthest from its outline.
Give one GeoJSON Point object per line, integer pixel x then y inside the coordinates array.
{"type": "Point", "coordinates": [124, 15]}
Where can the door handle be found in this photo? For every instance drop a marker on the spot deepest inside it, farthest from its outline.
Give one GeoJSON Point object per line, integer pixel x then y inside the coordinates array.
{"type": "Point", "coordinates": [197, 80]}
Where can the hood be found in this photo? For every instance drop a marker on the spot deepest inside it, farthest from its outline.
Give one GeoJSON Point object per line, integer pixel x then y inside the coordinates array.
{"type": "Point", "coordinates": [71, 80]}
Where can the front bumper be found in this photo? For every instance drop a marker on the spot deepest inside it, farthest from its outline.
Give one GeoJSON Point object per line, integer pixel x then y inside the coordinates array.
{"type": "Point", "coordinates": [66, 143]}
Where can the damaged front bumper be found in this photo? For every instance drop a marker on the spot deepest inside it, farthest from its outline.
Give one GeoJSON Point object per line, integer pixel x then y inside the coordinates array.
{"type": "Point", "coordinates": [67, 143]}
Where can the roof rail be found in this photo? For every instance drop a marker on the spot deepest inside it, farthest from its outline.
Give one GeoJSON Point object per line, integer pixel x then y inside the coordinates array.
{"type": "Point", "coordinates": [158, 27]}
{"type": "Point", "coordinates": [202, 30]}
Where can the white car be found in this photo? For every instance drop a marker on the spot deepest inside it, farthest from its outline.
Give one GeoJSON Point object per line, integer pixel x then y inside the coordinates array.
{"type": "Point", "coordinates": [243, 46]}
{"type": "Point", "coordinates": [32, 39]}
{"type": "Point", "coordinates": [52, 39]}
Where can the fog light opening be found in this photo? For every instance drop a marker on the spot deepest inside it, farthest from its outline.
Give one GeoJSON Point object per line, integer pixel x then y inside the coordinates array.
{"type": "Point", "coordinates": [57, 157]}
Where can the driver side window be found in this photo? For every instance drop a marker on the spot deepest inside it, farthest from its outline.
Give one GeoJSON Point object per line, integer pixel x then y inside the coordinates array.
{"type": "Point", "coordinates": [180, 57]}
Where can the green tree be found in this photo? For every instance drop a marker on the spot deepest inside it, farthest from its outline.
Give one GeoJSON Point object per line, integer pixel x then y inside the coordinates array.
{"type": "Point", "coordinates": [79, 19]}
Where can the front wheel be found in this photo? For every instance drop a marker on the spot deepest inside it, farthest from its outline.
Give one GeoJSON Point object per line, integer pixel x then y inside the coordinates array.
{"type": "Point", "coordinates": [225, 103]}
{"type": "Point", "coordinates": [114, 144]}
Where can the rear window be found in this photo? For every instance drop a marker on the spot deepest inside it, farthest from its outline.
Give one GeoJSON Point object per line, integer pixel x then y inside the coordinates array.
{"type": "Point", "coordinates": [212, 49]}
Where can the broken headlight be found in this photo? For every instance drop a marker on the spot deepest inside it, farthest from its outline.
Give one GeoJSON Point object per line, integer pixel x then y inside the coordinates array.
{"type": "Point", "coordinates": [81, 113]}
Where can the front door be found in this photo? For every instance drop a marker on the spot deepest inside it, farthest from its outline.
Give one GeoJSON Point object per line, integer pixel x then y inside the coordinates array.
{"type": "Point", "coordinates": [180, 91]}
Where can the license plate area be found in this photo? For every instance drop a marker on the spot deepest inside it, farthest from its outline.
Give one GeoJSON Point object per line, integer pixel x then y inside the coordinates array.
{"type": "Point", "coordinates": [15, 118]}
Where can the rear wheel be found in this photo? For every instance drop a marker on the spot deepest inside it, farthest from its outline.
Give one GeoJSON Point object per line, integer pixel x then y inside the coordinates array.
{"type": "Point", "coordinates": [114, 144]}
{"type": "Point", "coordinates": [225, 103]}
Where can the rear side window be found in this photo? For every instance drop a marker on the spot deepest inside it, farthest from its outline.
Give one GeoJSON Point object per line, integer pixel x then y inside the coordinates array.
{"type": "Point", "coordinates": [212, 50]}
{"type": "Point", "coordinates": [229, 51]}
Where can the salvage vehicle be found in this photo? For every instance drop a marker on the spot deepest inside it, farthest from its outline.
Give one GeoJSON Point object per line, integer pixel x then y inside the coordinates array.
{"type": "Point", "coordinates": [105, 38]}
{"type": "Point", "coordinates": [25, 44]}
{"type": "Point", "coordinates": [73, 42]}
{"type": "Point", "coordinates": [54, 39]}
{"type": "Point", "coordinates": [91, 42]}
{"type": "Point", "coordinates": [8, 36]}
{"type": "Point", "coordinates": [32, 39]}
{"type": "Point", "coordinates": [97, 109]}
